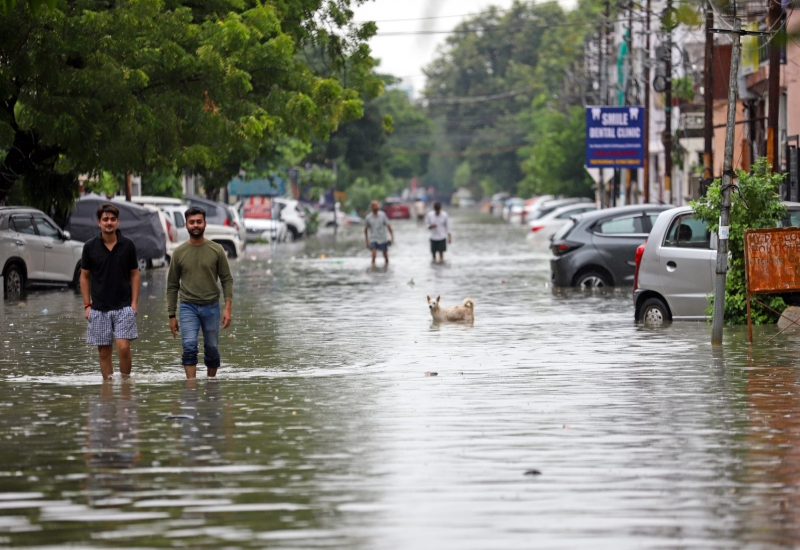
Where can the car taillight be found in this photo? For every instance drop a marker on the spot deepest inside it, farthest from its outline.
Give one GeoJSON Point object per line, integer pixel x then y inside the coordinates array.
{"type": "Point", "coordinates": [535, 228]}
{"type": "Point", "coordinates": [227, 222]}
{"type": "Point", "coordinates": [169, 232]}
{"type": "Point", "coordinates": [236, 225]}
{"type": "Point", "coordinates": [639, 254]}
{"type": "Point", "coordinates": [562, 247]}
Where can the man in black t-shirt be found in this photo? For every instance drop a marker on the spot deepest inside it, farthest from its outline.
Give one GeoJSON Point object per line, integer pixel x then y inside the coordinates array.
{"type": "Point", "coordinates": [110, 288]}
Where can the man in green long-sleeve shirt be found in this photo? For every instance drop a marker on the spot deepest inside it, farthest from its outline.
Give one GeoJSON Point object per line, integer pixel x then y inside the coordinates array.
{"type": "Point", "coordinates": [194, 269]}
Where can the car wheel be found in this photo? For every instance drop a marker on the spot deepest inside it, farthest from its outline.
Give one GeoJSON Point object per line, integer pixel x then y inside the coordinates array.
{"type": "Point", "coordinates": [654, 312]}
{"type": "Point", "coordinates": [230, 250]}
{"type": "Point", "coordinates": [592, 279]}
{"type": "Point", "coordinates": [14, 280]}
{"type": "Point", "coordinates": [142, 263]}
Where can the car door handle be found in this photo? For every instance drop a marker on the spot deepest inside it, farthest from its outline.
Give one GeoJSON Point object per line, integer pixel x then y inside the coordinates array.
{"type": "Point", "coordinates": [671, 266]}
{"type": "Point", "coordinates": [48, 246]}
{"type": "Point", "coordinates": [19, 243]}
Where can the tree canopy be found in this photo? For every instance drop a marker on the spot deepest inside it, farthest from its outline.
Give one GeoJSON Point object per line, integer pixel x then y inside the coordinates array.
{"type": "Point", "coordinates": [153, 86]}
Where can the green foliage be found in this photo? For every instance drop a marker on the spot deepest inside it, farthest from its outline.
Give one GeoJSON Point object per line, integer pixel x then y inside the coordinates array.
{"type": "Point", "coordinates": [362, 192]}
{"type": "Point", "coordinates": [152, 86]}
{"type": "Point", "coordinates": [167, 184]}
{"type": "Point", "coordinates": [503, 59]}
{"type": "Point", "coordinates": [756, 205]}
{"type": "Point", "coordinates": [312, 222]}
{"type": "Point", "coordinates": [682, 88]}
{"type": "Point", "coordinates": [316, 182]}
{"type": "Point", "coordinates": [105, 183]}
{"type": "Point", "coordinates": [553, 163]}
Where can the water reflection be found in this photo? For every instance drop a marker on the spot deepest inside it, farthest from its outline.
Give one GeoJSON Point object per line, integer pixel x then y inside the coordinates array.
{"type": "Point", "coordinates": [772, 477]}
{"type": "Point", "coordinates": [112, 439]}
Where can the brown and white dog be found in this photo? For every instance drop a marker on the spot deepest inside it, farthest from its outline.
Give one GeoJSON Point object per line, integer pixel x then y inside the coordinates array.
{"type": "Point", "coordinates": [464, 312]}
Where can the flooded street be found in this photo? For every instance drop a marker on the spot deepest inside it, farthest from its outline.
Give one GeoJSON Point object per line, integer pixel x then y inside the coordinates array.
{"type": "Point", "coordinates": [323, 429]}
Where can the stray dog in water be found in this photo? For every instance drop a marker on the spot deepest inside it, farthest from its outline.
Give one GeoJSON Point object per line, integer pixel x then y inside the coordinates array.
{"type": "Point", "coordinates": [464, 312]}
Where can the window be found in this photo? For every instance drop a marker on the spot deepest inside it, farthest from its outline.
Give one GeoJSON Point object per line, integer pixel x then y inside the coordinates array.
{"type": "Point", "coordinates": [628, 225]}
{"type": "Point", "coordinates": [792, 219]}
{"type": "Point", "coordinates": [46, 229]}
{"type": "Point", "coordinates": [179, 221]}
{"type": "Point", "coordinates": [23, 224]}
{"type": "Point", "coordinates": [653, 216]}
{"type": "Point", "coordinates": [688, 232]}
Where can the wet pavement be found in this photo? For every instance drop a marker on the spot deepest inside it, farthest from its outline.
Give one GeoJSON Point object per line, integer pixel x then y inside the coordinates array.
{"type": "Point", "coordinates": [323, 430]}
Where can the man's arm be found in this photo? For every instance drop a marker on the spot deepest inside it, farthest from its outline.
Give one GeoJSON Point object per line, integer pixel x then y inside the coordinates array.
{"type": "Point", "coordinates": [135, 282]}
{"type": "Point", "coordinates": [447, 226]}
{"type": "Point", "coordinates": [86, 277]}
{"type": "Point", "coordinates": [226, 278]}
{"type": "Point", "coordinates": [391, 233]}
{"type": "Point", "coordinates": [173, 286]}
{"type": "Point", "coordinates": [366, 233]}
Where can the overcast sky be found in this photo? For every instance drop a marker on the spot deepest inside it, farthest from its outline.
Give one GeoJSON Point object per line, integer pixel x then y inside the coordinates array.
{"type": "Point", "coordinates": [405, 55]}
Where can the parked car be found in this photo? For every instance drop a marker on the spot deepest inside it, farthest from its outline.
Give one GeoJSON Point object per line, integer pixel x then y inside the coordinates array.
{"type": "Point", "coordinates": [396, 209]}
{"type": "Point", "coordinates": [35, 251]}
{"type": "Point", "coordinates": [497, 202]}
{"type": "Point", "coordinates": [545, 207]}
{"type": "Point", "coordinates": [261, 220]}
{"type": "Point", "coordinates": [676, 267]}
{"type": "Point", "coordinates": [227, 237]}
{"type": "Point", "coordinates": [291, 212]}
{"type": "Point", "coordinates": [142, 224]}
{"type": "Point", "coordinates": [543, 229]}
{"type": "Point", "coordinates": [531, 205]}
{"type": "Point", "coordinates": [219, 213]}
{"type": "Point", "coordinates": [598, 249]}
{"type": "Point", "coordinates": [513, 209]}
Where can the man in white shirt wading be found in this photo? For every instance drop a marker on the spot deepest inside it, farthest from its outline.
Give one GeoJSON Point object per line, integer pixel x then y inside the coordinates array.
{"type": "Point", "coordinates": [439, 225]}
{"type": "Point", "coordinates": [376, 224]}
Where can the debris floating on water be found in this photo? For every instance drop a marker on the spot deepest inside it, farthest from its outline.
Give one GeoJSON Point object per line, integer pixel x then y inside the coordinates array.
{"type": "Point", "coordinates": [179, 417]}
{"type": "Point", "coordinates": [429, 373]}
{"type": "Point", "coordinates": [533, 473]}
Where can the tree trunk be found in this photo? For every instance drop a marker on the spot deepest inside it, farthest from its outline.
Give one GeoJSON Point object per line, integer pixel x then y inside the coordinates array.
{"type": "Point", "coordinates": [25, 155]}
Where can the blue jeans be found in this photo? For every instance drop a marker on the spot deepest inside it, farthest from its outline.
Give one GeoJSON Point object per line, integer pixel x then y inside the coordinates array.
{"type": "Point", "coordinates": [193, 318]}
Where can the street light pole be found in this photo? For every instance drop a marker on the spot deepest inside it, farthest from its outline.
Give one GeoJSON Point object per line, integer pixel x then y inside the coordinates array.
{"type": "Point", "coordinates": [727, 184]}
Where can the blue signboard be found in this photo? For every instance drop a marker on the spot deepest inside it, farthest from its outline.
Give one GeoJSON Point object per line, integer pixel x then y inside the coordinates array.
{"type": "Point", "coordinates": [273, 186]}
{"type": "Point", "coordinates": [615, 137]}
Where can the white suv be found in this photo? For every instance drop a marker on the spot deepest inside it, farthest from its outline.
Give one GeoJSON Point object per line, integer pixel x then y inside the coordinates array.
{"type": "Point", "coordinates": [227, 237]}
{"type": "Point", "coordinates": [35, 251]}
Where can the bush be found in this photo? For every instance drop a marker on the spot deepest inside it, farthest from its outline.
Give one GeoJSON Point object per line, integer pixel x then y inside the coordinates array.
{"type": "Point", "coordinates": [755, 205]}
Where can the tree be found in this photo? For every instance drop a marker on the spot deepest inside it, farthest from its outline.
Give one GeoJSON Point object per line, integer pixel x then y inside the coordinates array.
{"type": "Point", "coordinates": [487, 75]}
{"type": "Point", "coordinates": [755, 205]}
{"type": "Point", "coordinates": [152, 86]}
{"type": "Point", "coordinates": [553, 163]}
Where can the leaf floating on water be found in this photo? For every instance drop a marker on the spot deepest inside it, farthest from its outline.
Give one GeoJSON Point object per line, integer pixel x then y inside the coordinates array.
{"type": "Point", "coordinates": [533, 473]}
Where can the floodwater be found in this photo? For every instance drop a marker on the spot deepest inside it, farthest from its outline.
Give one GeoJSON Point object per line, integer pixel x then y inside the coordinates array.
{"type": "Point", "coordinates": [323, 430]}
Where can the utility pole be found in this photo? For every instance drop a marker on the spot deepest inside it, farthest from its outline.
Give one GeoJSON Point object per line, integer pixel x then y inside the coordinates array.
{"type": "Point", "coordinates": [128, 185]}
{"type": "Point", "coordinates": [667, 135]}
{"type": "Point", "coordinates": [602, 46]}
{"type": "Point", "coordinates": [727, 183]}
{"type": "Point", "coordinates": [708, 98]}
{"type": "Point", "coordinates": [628, 78]}
{"type": "Point", "coordinates": [775, 15]}
{"type": "Point", "coordinates": [647, 106]}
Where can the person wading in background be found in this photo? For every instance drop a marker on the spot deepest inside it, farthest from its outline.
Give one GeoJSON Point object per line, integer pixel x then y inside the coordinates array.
{"type": "Point", "coordinates": [439, 226]}
{"type": "Point", "coordinates": [375, 225]}
{"type": "Point", "coordinates": [194, 270]}
{"type": "Point", "coordinates": [110, 288]}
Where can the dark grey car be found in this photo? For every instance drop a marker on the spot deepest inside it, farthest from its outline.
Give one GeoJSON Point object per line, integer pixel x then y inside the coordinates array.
{"type": "Point", "coordinates": [598, 249]}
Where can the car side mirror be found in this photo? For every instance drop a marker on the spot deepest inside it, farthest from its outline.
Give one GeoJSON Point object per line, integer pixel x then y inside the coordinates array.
{"type": "Point", "coordinates": [66, 236]}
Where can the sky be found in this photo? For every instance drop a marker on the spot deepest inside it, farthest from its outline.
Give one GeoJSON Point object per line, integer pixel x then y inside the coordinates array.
{"type": "Point", "coordinates": [407, 54]}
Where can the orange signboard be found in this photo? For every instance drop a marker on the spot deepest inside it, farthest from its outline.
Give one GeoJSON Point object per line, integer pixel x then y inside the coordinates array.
{"type": "Point", "coordinates": [772, 260]}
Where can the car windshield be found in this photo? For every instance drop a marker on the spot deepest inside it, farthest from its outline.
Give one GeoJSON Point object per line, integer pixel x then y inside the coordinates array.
{"type": "Point", "coordinates": [565, 231]}
{"type": "Point", "coordinates": [792, 219]}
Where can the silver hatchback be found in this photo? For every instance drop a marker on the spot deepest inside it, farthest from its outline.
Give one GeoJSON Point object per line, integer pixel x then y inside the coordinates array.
{"type": "Point", "coordinates": [675, 267]}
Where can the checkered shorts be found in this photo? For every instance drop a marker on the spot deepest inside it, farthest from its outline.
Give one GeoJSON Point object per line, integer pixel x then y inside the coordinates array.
{"type": "Point", "coordinates": [107, 326]}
